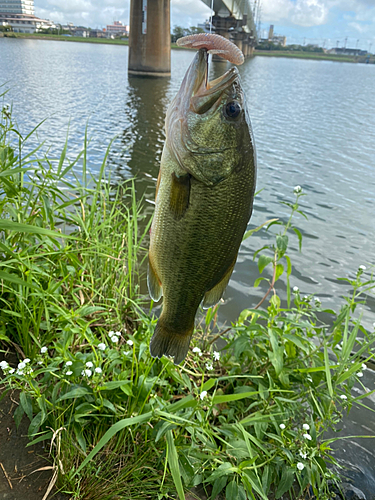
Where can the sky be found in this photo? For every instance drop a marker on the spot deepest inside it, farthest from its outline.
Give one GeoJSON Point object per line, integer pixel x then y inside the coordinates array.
{"type": "Point", "coordinates": [349, 23]}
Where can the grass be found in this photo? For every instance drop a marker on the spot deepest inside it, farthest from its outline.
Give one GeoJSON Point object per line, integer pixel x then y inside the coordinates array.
{"type": "Point", "coordinates": [62, 38]}
{"type": "Point", "coordinates": [247, 422]}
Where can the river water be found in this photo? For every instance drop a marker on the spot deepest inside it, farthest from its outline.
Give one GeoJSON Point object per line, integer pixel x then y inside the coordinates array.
{"type": "Point", "coordinates": [314, 126]}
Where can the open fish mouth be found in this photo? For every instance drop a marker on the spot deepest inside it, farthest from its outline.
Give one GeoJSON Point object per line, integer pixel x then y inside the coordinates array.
{"type": "Point", "coordinates": [204, 95]}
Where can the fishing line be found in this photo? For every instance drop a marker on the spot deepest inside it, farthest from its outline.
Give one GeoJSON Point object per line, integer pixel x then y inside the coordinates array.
{"type": "Point", "coordinates": [212, 8]}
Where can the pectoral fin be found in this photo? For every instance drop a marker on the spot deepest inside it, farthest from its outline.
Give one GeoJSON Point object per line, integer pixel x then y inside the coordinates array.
{"type": "Point", "coordinates": [153, 283]}
{"type": "Point", "coordinates": [180, 194]}
{"type": "Point", "coordinates": [213, 296]}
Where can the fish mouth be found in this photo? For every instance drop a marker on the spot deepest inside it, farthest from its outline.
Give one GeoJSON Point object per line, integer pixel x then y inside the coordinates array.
{"type": "Point", "coordinates": [206, 95]}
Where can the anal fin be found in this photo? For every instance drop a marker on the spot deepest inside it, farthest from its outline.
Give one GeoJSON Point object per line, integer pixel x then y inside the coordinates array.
{"type": "Point", "coordinates": [153, 283]}
{"type": "Point", "coordinates": [180, 194]}
{"type": "Point", "coordinates": [213, 296]}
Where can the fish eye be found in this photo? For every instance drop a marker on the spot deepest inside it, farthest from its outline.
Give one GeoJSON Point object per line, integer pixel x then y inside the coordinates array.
{"type": "Point", "coordinates": [233, 109]}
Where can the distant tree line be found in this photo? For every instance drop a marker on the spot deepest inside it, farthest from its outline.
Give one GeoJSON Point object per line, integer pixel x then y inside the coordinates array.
{"type": "Point", "coordinates": [6, 28]}
{"type": "Point", "coordinates": [294, 47]}
{"type": "Point", "coordinates": [179, 32]}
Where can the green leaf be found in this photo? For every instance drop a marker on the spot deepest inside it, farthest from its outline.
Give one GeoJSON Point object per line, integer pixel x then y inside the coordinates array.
{"type": "Point", "coordinates": [279, 271]}
{"type": "Point", "coordinates": [114, 384]}
{"type": "Point", "coordinates": [17, 281]}
{"type": "Point", "coordinates": [9, 225]}
{"type": "Point", "coordinates": [35, 424]}
{"type": "Point", "coordinates": [223, 470]}
{"type": "Point", "coordinates": [27, 404]}
{"type": "Point", "coordinates": [173, 465]}
{"type": "Point", "coordinates": [218, 486]}
{"type": "Point", "coordinates": [231, 491]}
{"type": "Point", "coordinates": [118, 426]}
{"type": "Point", "coordinates": [286, 481]}
{"type": "Point", "coordinates": [328, 371]}
{"type": "Point", "coordinates": [281, 244]}
{"type": "Point", "coordinates": [18, 414]}
{"type": "Point", "coordinates": [298, 233]}
{"type": "Point", "coordinates": [75, 393]}
{"type": "Point", "coordinates": [263, 261]}
{"type": "Point", "coordinates": [232, 397]}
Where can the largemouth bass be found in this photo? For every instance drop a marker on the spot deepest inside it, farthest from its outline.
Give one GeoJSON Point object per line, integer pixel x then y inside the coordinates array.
{"type": "Point", "coordinates": [204, 201]}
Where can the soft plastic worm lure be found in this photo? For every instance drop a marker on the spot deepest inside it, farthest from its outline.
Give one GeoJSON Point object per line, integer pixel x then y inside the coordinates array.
{"type": "Point", "coordinates": [215, 44]}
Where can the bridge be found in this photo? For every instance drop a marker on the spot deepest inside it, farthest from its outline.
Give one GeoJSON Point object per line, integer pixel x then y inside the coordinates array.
{"type": "Point", "coordinates": [149, 38]}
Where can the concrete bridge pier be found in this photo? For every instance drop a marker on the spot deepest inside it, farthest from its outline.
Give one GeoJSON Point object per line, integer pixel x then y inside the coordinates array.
{"type": "Point", "coordinates": [149, 38]}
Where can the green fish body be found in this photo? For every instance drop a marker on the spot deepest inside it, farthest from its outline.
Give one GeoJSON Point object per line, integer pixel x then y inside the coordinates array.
{"type": "Point", "coordinates": [203, 203]}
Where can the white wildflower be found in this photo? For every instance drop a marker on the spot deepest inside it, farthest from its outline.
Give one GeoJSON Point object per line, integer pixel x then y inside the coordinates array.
{"type": "Point", "coordinates": [359, 374]}
{"type": "Point", "coordinates": [130, 342]}
{"type": "Point", "coordinates": [297, 190]}
{"type": "Point", "coordinates": [102, 346]}
{"type": "Point", "coordinates": [307, 436]}
{"type": "Point", "coordinates": [118, 334]}
{"type": "Point", "coordinates": [21, 365]}
{"type": "Point", "coordinates": [40, 362]}
{"type": "Point", "coordinates": [69, 363]}
{"type": "Point", "coordinates": [203, 394]}
{"type": "Point", "coordinates": [19, 372]}
{"type": "Point", "coordinates": [69, 372]}
{"type": "Point", "coordinates": [89, 364]}
{"type": "Point", "coordinates": [209, 366]}
{"type": "Point", "coordinates": [43, 350]}
{"type": "Point", "coordinates": [88, 373]}
{"type": "Point", "coordinates": [98, 370]}
{"type": "Point", "coordinates": [114, 339]}
{"type": "Point", "coordinates": [306, 427]}
{"type": "Point", "coordinates": [343, 396]}
{"type": "Point", "coordinates": [197, 350]}
{"type": "Point", "coordinates": [4, 365]}
{"type": "Point", "coordinates": [216, 355]}
{"type": "Point", "coordinates": [303, 455]}
{"type": "Point", "coordinates": [295, 289]}
{"type": "Point", "coordinates": [282, 426]}
{"type": "Point", "coordinates": [11, 370]}
{"type": "Point", "coordinates": [111, 333]}
{"type": "Point", "coordinates": [317, 301]}
{"type": "Point", "coordinates": [364, 367]}
{"type": "Point", "coordinates": [300, 466]}
{"type": "Point", "coordinates": [26, 360]}
{"type": "Point", "coordinates": [362, 267]}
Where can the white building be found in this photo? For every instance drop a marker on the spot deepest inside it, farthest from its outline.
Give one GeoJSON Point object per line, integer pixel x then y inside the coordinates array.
{"type": "Point", "coordinates": [24, 23]}
{"type": "Point", "coordinates": [17, 7]}
{"type": "Point", "coordinates": [19, 14]}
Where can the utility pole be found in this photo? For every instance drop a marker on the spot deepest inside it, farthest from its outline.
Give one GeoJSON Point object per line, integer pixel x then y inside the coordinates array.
{"type": "Point", "coordinates": [346, 39]}
{"type": "Point", "coordinates": [356, 45]}
{"type": "Point", "coordinates": [369, 49]}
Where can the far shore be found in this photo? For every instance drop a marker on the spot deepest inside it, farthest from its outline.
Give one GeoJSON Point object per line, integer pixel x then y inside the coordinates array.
{"type": "Point", "coordinates": [266, 53]}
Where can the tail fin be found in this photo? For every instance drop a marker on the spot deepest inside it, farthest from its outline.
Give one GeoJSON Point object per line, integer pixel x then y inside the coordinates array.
{"type": "Point", "coordinates": [168, 343]}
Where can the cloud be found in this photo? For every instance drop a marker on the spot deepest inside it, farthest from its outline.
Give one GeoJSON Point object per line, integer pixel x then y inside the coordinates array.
{"type": "Point", "coordinates": [303, 13]}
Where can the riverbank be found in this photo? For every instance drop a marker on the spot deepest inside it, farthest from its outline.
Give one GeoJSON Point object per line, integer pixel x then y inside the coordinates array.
{"type": "Point", "coordinates": [266, 53]}
{"type": "Point", "coordinates": [123, 424]}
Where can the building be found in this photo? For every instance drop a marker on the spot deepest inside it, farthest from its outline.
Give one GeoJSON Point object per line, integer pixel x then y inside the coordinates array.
{"type": "Point", "coordinates": [17, 7]}
{"type": "Point", "coordinates": [23, 23]}
{"type": "Point", "coordinates": [347, 52]}
{"type": "Point", "coordinates": [117, 28]}
{"type": "Point", "coordinates": [19, 15]}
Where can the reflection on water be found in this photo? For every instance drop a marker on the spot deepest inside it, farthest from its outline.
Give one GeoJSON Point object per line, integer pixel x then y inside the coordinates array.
{"type": "Point", "coordinates": [139, 149]}
{"type": "Point", "coordinates": [314, 126]}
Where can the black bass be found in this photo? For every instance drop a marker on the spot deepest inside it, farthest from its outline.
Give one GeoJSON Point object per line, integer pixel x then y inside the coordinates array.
{"type": "Point", "coordinates": [204, 200]}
